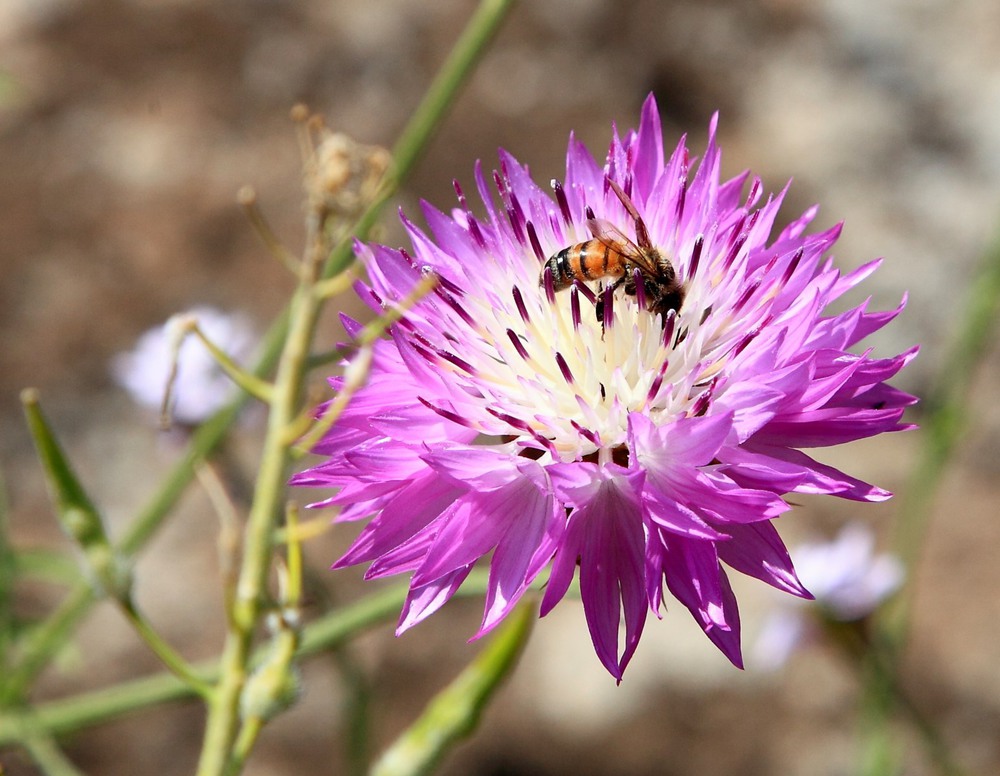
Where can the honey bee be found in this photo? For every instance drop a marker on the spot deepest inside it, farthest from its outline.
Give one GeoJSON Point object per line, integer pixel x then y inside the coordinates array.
{"type": "Point", "coordinates": [610, 253]}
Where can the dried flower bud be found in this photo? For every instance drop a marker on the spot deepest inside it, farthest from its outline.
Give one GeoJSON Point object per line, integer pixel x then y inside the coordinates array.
{"type": "Point", "coordinates": [342, 176]}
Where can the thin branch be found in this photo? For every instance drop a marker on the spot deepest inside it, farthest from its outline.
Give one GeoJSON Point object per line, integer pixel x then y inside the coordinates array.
{"type": "Point", "coordinates": [247, 197]}
{"type": "Point", "coordinates": [229, 534]}
{"type": "Point", "coordinates": [259, 389]}
{"type": "Point", "coordinates": [99, 706]}
{"type": "Point", "coordinates": [174, 662]}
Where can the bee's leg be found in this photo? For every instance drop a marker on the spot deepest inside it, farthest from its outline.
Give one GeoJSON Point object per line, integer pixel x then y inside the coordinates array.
{"type": "Point", "coordinates": [599, 304]}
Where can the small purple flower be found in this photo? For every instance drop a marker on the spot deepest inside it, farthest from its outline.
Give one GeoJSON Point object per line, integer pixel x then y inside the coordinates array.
{"type": "Point", "coordinates": [201, 386]}
{"type": "Point", "coordinates": [846, 576]}
{"type": "Point", "coordinates": [504, 420]}
{"type": "Point", "coordinates": [848, 580]}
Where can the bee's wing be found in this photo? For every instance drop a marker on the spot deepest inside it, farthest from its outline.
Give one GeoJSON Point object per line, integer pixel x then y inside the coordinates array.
{"type": "Point", "coordinates": [618, 241]}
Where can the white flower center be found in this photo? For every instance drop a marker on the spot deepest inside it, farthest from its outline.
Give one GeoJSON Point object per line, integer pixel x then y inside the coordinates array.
{"type": "Point", "coordinates": [546, 377]}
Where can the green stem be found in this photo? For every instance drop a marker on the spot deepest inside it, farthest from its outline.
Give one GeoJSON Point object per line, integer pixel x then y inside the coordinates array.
{"type": "Point", "coordinates": [44, 640]}
{"type": "Point", "coordinates": [48, 637]}
{"type": "Point", "coordinates": [49, 757]}
{"type": "Point", "coordinates": [177, 665]}
{"type": "Point", "coordinates": [205, 439]}
{"type": "Point", "coordinates": [45, 565]}
{"type": "Point", "coordinates": [249, 732]}
{"type": "Point", "coordinates": [250, 383]}
{"type": "Point", "coordinates": [83, 521]}
{"type": "Point", "coordinates": [273, 686]}
{"type": "Point", "coordinates": [287, 389]}
{"type": "Point", "coordinates": [271, 689]}
{"type": "Point", "coordinates": [454, 712]}
{"type": "Point", "coordinates": [265, 511]}
{"type": "Point", "coordinates": [98, 706]}
{"type": "Point", "coordinates": [37, 650]}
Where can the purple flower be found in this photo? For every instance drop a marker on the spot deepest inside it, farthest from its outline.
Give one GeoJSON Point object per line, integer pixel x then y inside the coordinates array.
{"type": "Point", "coordinates": [201, 386]}
{"type": "Point", "coordinates": [507, 420]}
{"type": "Point", "coordinates": [847, 577]}
{"type": "Point", "coordinates": [849, 581]}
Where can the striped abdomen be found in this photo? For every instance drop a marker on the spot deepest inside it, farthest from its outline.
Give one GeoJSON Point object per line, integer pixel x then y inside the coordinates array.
{"type": "Point", "coordinates": [586, 261]}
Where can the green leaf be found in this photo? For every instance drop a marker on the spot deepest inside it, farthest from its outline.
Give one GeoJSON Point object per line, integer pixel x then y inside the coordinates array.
{"type": "Point", "coordinates": [74, 508]}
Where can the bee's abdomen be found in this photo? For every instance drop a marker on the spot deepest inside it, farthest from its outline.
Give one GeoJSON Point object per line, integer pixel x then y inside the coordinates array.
{"type": "Point", "coordinates": [586, 261]}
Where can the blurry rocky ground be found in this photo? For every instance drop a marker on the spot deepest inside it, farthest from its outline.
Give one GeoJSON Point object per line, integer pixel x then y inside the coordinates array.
{"type": "Point", "coordinates": [126, 127]}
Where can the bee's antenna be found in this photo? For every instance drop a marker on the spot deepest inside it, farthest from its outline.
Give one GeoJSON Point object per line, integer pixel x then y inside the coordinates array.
{"type": "Point", "coordinates": [641, 235]}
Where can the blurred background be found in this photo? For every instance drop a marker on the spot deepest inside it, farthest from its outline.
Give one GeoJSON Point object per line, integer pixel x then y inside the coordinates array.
{"type": "Point", "coordinates": [126, 128]}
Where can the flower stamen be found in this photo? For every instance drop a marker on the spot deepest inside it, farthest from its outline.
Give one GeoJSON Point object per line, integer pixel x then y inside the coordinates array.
{"type": "Point", "coordinates": [533, 239]}
{"type": "Point", "coordinates": [515, 340]}
{"type": "Point", "coordinates": [519, 303]}
{"type": "Point", "coordinates": [563, 202]}
{"type": "Point", "coordinates": [564, 369]}
{"type": "Point", "coordinates": [574, 306]}
{"type": "Point", "coordinates": [696, 250]}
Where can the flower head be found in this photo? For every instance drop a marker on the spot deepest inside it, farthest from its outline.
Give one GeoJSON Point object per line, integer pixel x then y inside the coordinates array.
{"type": "Point", "coordinates": [201, 386]}
{"type": "Point", "coordinates": [508, 419]}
